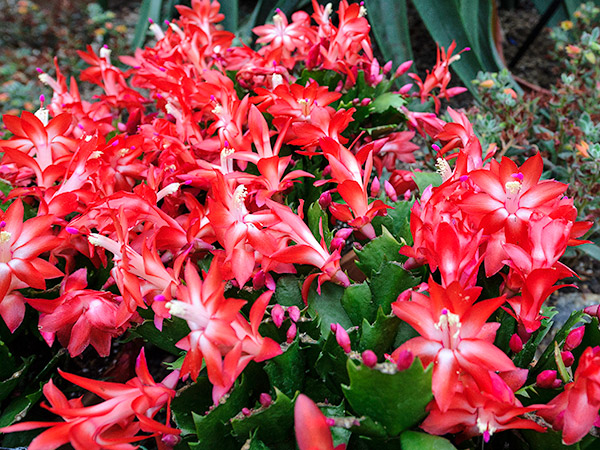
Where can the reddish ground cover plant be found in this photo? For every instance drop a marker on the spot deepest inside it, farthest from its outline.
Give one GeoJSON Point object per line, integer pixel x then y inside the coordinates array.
{"type": "Point", "coordinates": [253, 213]}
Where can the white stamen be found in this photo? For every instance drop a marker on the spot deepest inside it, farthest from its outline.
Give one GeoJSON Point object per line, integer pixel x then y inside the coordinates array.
{"type": "Point", "coordinates": [443, 168]}
{"type": "Point", "coordinates": [105, 53]}
{"type": "Point", "coordinates": [167, 190]}
{"type": "Point", "coordinates": [5, 236]}
{"type": "Point", "coordinates": [239, 195]}
{"type": "Point", "coordinates": [513, 187]}
{"type": "Point", "coordinates": [42, 114]}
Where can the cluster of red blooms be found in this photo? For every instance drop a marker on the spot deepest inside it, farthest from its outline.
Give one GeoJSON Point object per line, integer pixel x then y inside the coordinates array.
{"type": "Point", "coordinates": [122, 176]}
{"type": "Point", "coordinates": [496, 214]}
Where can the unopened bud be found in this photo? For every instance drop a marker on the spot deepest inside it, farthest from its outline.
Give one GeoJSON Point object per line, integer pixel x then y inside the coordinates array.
{"type": "Point", "coordinates": [574, 338]}
{"type": "Point", "coordinates": [568, 358]}
{"type": "Point", "coordinates": [277, 314]}
{"type": "Point", "coordinates": [170, 440]}
{"type": "Point", "coordinates": [291, 333]}
{"type": "Point", "coordinates": [547, 379]}
{"type": "Point", "coordinates": [246, 412]}
{"type": "Point", "coordinates": [592, 310]}
{"type": "Point", "coordinates": [336, 244]}
{"type": "Point", "coordinates": [294, 313]}
{"type": "Point", "coordinates": [390, 191]}
{"type": "Point", "coordinates": [375, 187]}
{"type": "Point", "coordinates": [325, 200]}
{"type": "Point", "coordinates": [404, 360]}
{"type": "Point", "coordinates": [404, 89]}
{"type": "Point", "coordinates": [365, 101]}
{"type": "Point", "coordinates": [265, 400]}
{"type": "Point", "coordinates": [369, 358]}
{"type": "Point", "coordinates": [402, 69]}
{"type": "Point", "coordinates": [515, 343]}
{"type": "Point", "coordinates": [341, 336]}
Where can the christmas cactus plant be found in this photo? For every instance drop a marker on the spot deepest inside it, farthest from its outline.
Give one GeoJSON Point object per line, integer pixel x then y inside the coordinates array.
{"type": "Point", "coordinates": [263, 220]}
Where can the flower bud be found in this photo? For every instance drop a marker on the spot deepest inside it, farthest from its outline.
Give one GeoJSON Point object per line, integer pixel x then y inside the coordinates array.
{"type": "Point", "coordinates": [294, 313]}
{"type": "Point", "coordinates": [341, 336]}
{"type": "Point", "coordinates": [592, 310]}
{"type": "Point", "coordinates": [336, 244]}
{"type": "Point", "coordinates": [375, 187]}
{"type": "Point", "coordinates": [568, 358]}
{"type": "Point", "coordinates": [325, 200]}
{"type": "Point", "coordinates": [404, 89]}
{"type": "Point", "coordinates": [515, 343]}
{"type": "Point", "coordinates": [265, 400]}
{"type": "Point", "coordinates": [246, 412]}
{"type": "Point", "coordinates": [390, 191]}
{"type": "Point", "coordinates": [404, 360]}
{"type": "Point", "coordinates": [402, 69]}
{"type": "Point", "coordinates": [291, 333]}
{"type": "Point", "coordinates": [547, 379]}
{"type": "Point", "coordinates": [277, 314]}
{"type": "Point", "coordinates": [369, 358]}
{"type": "Point", "coordinates": [170, 440]}
{"type": "Point", "coordinates": [574, 338]}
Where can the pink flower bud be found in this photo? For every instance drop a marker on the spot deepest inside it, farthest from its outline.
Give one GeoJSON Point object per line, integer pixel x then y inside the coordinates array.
{"type": "Point", "coordinates": [325, 200]}
{"type": "Point", "coordinates": [258, 280]}
{"type": "Point", "coordinates": [390, 191]}
{"type": "Point", "coordinates": [72, 230]}
{"type": "Point", "coordinates": [344, 233]}
{"type": "Point", "coordinates": [592, 310]}
{"type": "Point", "coordinates": [341, 336]}
{"type": "Point", "coordinates": [265, 399]}
{"type": "Point", "coordinates": [568, 358]}
{"type": "Point", "coordinates": [402, 69]}
{"type": "Point", "coordinates": [387, 67]}
{"type": "Point", "coordinates": [515, 343]}
{"type": "Point", "coordinates": [375, 187]}
{"type": "Point", "coordinates": [365, 101]}
{"type": "Point", "coordinates": [404, 360]}
{"type": "Point", "coordinates": [574, 338]}
{"type": "Point", "coordinates": [246, 412]}
{"type": "Point", "coordinates": [330, 421]}
{"type": "Point", "coordinates": [369, 358]}
{"type": "Point", "coordinates": [547, 379]}
{"type": "Point", "coordinates": [291, 333]}
{"type": "Point", "coordinates": [170, 440]}
{"type": "Point", "coordinates": [336, 244]}
{"type": "Point", "coordinates": [294, 313]}
{"type": "Point", "coordinates": [404, 89]}
{"type": "Point", "coordinates": [277, 314]}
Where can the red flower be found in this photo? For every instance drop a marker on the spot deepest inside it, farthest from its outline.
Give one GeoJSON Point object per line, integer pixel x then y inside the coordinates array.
{"type": "Point", "coordinates": [110, 424]}
{"type": "Point", "coordinates": [575, 410]}
{"type": "Point", "coordinates": [21, 243]}
{"type": "Point", "coordinates": [454, 336]}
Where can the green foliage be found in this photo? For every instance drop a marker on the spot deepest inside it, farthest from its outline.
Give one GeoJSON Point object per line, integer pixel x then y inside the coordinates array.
{"type": "Point", "coordinates": [414, 440]}
{"type": "Point", "coordinates": [394, 399]}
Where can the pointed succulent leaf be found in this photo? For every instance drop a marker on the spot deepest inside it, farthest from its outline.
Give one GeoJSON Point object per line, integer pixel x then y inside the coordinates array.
{"type": "Point", "coordinates": [214, 428]}
{"type": "Point", "coordinates": [396, 400]}
{"type": "Point", "coordinates": [327, 306]}
{"type": "Point", "coordinates": [379, 336]}
{"type": "Point", "coordinates": [273, 424]}
{"type": "Point", "coordinates": [286, 371]}
{"type": "Point", "coordinates": [415, 440]}
{"type": "Point", "coordinates": [381, 249]}
{"type": "Point", "coordinates": [358, 304]}
{"type": "Point", "coordinates": [388, 282]}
